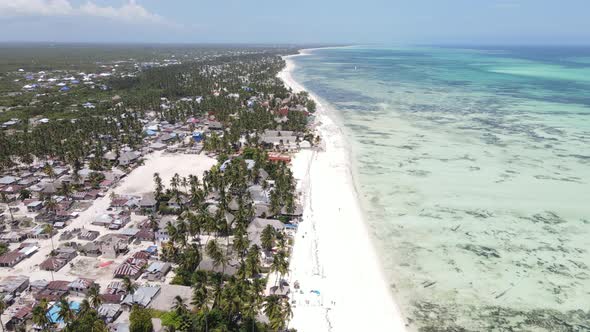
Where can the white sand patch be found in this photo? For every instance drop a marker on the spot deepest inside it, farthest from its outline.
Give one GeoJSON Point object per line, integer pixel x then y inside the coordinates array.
{"type": "Point", "coordinates": [141, 180]}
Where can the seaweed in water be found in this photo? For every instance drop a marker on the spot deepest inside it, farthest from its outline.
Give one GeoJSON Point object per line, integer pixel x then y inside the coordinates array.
{"type": "Point", "coordinates": [480, 213]}
{"type": "Point", "coordinates": [486, 252]}
{"type": "Point", "coordinates": [430, 317]}
{"type": "Point", "coordinates": [547, 217]}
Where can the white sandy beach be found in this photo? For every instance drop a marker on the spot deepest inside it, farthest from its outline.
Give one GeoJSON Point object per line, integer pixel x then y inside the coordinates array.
{"type": "Point", "coordinates": [333, 260]}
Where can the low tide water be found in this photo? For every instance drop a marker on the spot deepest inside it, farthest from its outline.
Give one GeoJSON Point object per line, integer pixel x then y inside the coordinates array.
{"type": "Point", "coordinates": [473, 167]}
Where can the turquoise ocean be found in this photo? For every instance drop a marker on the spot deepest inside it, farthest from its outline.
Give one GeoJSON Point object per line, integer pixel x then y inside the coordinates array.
{"type": "Point", "coordinates": [472, 165]}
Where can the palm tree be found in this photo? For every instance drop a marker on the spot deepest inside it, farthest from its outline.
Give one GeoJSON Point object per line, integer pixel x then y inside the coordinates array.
{"type": "Point", "coordinates": [200, 294]}
{"type": "Point", "coordinates": [216, 254]}
{"type": "Point", "coordinates": [159, 187]}
{"type": "Point", "coordinates": [2, 308]}
{"type": "Point", "coordinates": [267, 238]}
{"type": "Point", "coordinates": [181, 232]}
{"type": "Point", "coordinates": [193, 224]}
{"type": "Point", "coordinates": [5, 201]}
{"type": "Point", "coordinates": [275, 201]}
{"type": "Point", "coordinates": [48, 170]}
{"type": "Point", "coordinates": [93, 296]}
{"type": "Point", "coordinates": [252, 263]}
{"type": "Point", "coordinates": [194, 181]}
{"type": "Point", "coordinates": [154, 225]}
{"type": "Point", "coordinates": [205, 311]}
{"type": "Point", "coordinates": [129, 285]}
{"type": "Point", "coordinates": [173, 233]}
{"type": "Point", "coordinates": [76, 176]}
{"type": "Point", "coordinates": [280, 264]}
{"type": "Point", "coordinates": [65, 190]}
{"type": "Point", "coordinates": [191, 258]}
{"type": "Point", "coordinates": [24, 194]}
{"type": "Point", "coordinates": [175, 182]}
{"type": "Point", "coordinates": [169, 252]}
{"type": "Point", "coordinates": [179, 306]}
{"type": "Point", "coordinates": [241, 243]}
{"type": "Point", "coordinates": [40, 315]}
{"type": "Point", "coordinates": [252, 307]}
{"type": "Point", "coordinates": [278, 310]}
{"type": "Point", "coordinates": [184, 183]}
{"type": "Point", "coordinates": [273, 310]}
{"type": "Point", "coordinates": [50, 204]}
{"type": "Point", "coordinates": [287, 310]}
{"type": "Point", "coordinates": [85, 307]}
{"type": "Point", "coordinates": [197, 196]}
{"type": "Point", "coordinates": [65, 312]}
{"type": "Point", "coordinates": [48, 229]}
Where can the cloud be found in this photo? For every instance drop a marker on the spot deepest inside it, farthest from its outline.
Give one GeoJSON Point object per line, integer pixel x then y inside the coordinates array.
{"type": "Point", "coordinates": [130, 12]}
{"type": "Point", "coordinates": [35, 7]}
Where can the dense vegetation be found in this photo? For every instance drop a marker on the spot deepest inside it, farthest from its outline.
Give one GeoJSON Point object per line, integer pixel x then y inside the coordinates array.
{"type": "Point", "coordinates": [73, 132]}
{"type": "Point", "coordinates": [226, 303]}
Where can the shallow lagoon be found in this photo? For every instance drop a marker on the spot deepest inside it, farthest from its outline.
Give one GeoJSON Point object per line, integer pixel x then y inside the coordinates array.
{"type": "Point", "coordinates": [474, 170]}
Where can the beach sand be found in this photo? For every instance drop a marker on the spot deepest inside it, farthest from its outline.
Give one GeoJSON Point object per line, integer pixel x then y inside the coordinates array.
{"type": "Point", "coordinates": [342, 286]}
{"type": "Point", "coordinates": [140, 181]}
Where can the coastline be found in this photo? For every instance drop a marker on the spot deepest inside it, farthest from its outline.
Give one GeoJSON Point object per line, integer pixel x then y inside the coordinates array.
{"type": "Point", "coordinates": [343, 287]}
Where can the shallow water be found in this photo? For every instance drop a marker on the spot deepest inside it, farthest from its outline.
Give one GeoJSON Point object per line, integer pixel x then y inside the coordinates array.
{"type": "Point", "coordinates": [474, 170]}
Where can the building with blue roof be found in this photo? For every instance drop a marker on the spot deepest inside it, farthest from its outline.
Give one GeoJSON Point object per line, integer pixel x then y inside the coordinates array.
{"type": "Point", "coordinates": [198, 136]}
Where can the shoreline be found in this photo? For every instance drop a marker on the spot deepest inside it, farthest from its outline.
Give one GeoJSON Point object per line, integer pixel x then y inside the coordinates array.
{"type": "Point", "coordinates": [344, 269]}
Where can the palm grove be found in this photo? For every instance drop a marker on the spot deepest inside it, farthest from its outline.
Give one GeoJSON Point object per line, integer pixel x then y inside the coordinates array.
{"type": "Point", "coordinates": [221, 301]}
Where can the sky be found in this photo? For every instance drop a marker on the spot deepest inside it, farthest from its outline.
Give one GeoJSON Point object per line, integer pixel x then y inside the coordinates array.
{"type": "Point", "coordinates": [298, 21]}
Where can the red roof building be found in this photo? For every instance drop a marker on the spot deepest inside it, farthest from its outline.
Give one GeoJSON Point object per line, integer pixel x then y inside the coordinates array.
{"type": "Point", "coordinates": [276, 157]}
{"type": "Point", "coordinates": [12, 258]}
{"type": "Point", "coordinates": [52, 264]}
{"type": "Point", "coordinates": [131, 268]}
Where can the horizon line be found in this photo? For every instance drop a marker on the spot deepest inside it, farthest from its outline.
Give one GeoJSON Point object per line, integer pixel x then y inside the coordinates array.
{"type": "Point", "coordinates": [294, 44]}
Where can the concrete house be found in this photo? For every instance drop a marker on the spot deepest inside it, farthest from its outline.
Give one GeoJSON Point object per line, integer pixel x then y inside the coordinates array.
{"type": "Point", "coordinates": [12, 258]}
{"type": "Point", "coordinates": [54, 290]}
{"type": "Point", "coordinates": [142, 297]}
{"type": "Point", "coordinates": [157, 270]}
{"type": "Point", "coordinates": [148, 203]}
{"type": "Point", "coordinates": [81, 286]}
{"type": "Point", "coordinates": [109, 312]}
{"type": "Point", "coordinates": [12, 285]}
{"type": "Point", "coordinates": [127, 158]}
{"type": "Point", "coordinates": [55, 263]}
{"type": "Point", "coordinates": [34, 206]}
